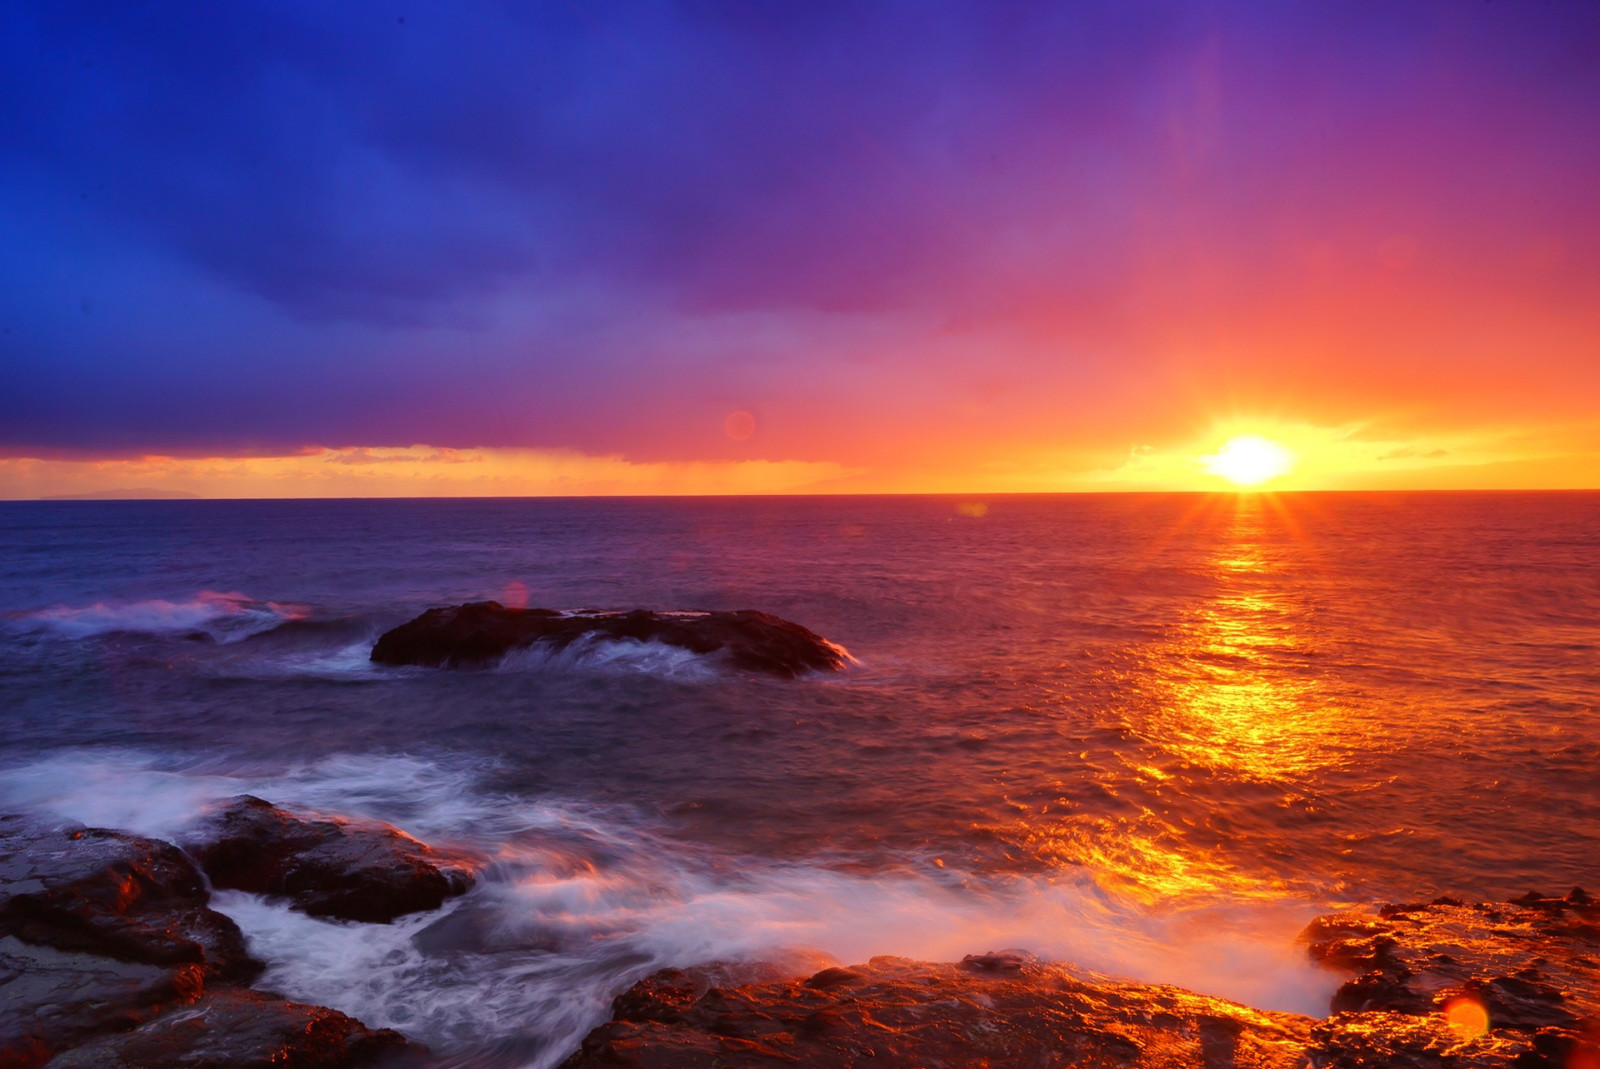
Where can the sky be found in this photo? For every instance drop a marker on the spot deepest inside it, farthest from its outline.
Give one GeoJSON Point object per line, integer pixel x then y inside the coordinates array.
{"type": "Point", "coordinates": [414, 248]}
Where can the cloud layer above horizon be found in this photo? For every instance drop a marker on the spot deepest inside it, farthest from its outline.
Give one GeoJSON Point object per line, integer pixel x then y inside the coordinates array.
{"type": "Point", "coordinates": [902, 238]}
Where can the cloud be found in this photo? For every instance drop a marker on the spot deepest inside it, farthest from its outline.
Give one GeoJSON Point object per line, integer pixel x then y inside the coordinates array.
{"type": "Point", "coordinates": [401, 472]}
{"type": "Point", "coordinates": [1413, 453]}
{"type": "Point", "coordinates": [887, 229]}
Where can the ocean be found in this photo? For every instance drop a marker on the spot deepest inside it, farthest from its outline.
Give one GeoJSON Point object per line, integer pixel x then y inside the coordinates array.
{"type": "Point", "coordinates": [1149, 734]}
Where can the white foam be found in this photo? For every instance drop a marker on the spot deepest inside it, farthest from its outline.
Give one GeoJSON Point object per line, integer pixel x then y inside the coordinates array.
{"type": "Point", "coordinates": [225, 617]}
{"type": "Point", "coordinates": [613, 656]}
{"type": "Point", "coordinates": [563, 942]}
{"type": "Point", "coordinates": [349, 663]}
{"type": "Point", "coordinates": [140, 792]}
{"type": "Point", "coordinates": [578, 901]}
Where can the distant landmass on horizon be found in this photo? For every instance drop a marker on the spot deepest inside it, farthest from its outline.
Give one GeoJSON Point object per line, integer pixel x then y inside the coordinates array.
{"type": "Point", "coordinates": [135, 493]}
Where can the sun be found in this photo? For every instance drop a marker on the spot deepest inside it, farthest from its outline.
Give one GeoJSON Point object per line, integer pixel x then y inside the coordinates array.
{"type": "Point", "coordinates": [1249, 460]}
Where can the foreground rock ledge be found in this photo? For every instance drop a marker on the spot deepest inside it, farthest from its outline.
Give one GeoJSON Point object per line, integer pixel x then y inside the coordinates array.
{"type": "Point", "coordinates": [125, 897]}
{"type": "Point", "coordinates": [1442, 985]}
{"type": "Point", "coordinates": [110, 956]}
{"type": "Point", "coordinates": [480, 633]}
{"type": "Point", "coordinates": [998, 1010]}
{"type": "Point", "coordinates": [247, 1030]}
{"type": "Point", "coordinates": [1464, 985]}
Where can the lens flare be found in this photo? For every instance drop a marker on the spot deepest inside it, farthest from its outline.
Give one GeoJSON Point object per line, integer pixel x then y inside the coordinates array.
{"type": "Point", "coordinates": [1249, 460]}
{"type": "Point", "coordinates": [1466, 1017]}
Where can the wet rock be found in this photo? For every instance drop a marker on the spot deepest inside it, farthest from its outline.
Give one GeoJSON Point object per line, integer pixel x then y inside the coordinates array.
{"type": "Point", "coordinates": [95, 891]}
{"type": "Point", "coordinates": [109, 956]}
{"type": "Point", "coordinates": [54, 999]}
{"type": "Point", "coordinates": [481, 633]}
{"type": "Point", "coordinates": [1405, 1041]}
{"type": "Point", "coordinates": [238, 1029]}
{"type": "Point", "coordinates": [1441, 985]}
{"type": "Point", "coordinates": [999, 960]}
{"type": "Point", "coordinates": [833, 977]}
{"type": "Point", "coordinates": [1448, 983]}
{"type": "Point", "coordinates": [896, 1012]}
{"type": "Point", "coordinates": [326, 867]}
{"type": "Point", "coordinates": [664, 995]}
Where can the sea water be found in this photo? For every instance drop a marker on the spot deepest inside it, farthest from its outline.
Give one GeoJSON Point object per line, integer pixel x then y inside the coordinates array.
{"type": "Point", "coordinates": [1149, 734]}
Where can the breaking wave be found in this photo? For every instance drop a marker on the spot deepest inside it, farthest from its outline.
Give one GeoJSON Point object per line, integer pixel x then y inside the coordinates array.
{"type": "Point", "coordinates": [222, 617]}
{"type": "Point", "coordinates": [580, 900]}
{"type": "Point", "coordinates": [613, 656]}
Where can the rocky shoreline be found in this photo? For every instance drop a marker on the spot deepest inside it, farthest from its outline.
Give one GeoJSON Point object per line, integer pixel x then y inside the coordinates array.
{"type": "Point", "coordinates": [111, 956]}
{"type": "Point", "coordinates": [1439, 985]}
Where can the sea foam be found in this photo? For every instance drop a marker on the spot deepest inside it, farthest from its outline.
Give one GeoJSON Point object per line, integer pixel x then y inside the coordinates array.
{"type": "Point", "coordinates": [224, 617]}
{"type": "Point", "coordinates": [612, 656]}
{"type": "Point", "coordinates": [578, 901]}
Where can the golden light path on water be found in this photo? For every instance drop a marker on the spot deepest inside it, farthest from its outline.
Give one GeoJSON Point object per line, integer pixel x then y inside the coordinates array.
{"type": "Point", "coordinates": [1230, 703]}
{"type": "Point", "coordinates": [1233, 706]}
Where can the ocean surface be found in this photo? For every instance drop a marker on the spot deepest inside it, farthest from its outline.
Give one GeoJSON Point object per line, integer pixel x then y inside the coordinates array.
{"type": "Point", "coordinates": [1150, 734]}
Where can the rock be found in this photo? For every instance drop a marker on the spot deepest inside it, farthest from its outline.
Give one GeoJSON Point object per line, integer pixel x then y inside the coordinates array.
{"type": "Point", "coordinates": [1404, 1041]}
{"type": "Point", "coordinates": [100, 930]}
{"type": "Point", "coordinates": [53, 998]}
{"type": "Point", "coordinates": [896, 1012]}
{"type": "Point", "coordinates": [999, 960]}
{"type": "Point", "coordinates": [109, 956]}
{"type": "Point", "coordinates": [480, 633]}
{"type": "Point", "coordinates": [1454, 984]}
{"type": "Point", "coordinates": [237, 1029]}
{"type": "Point", "coordinates": [326, 867]}
{"type": "Point", "coordinates": [1442, 985]}
{"type": "Point", "coordinates": [665, 995]}
{"type": "Point", "coordinates": [94, 891]}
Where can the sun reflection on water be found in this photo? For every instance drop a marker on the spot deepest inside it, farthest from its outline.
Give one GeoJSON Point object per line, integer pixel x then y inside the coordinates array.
{"type": "Point", "coordinates": [1231, 720]}
{"type": "Point", "coordinates": [1235, 683]}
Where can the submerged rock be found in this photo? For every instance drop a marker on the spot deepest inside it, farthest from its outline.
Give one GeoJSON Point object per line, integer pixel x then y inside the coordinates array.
{"type": "Point", "coordinates": [897, 1012]}
{"type": "Point", "coordinates": [326, 867]}
{"type": "Point", "coordinates": [480, 633]}
{"type": "Point", "coordinates": [246, 1030]}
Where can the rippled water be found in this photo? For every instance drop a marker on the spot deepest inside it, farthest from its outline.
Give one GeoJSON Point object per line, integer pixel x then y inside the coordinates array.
{"type": "Point", "coordinates": [1153, 734]}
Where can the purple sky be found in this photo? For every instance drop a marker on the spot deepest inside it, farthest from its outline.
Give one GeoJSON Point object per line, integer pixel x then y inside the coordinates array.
{"type": "Point", "coordinates": [933, 228]}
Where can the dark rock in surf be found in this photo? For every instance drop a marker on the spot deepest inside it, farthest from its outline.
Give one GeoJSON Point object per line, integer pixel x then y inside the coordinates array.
{"type": "Point", "coordinates": [100, 931]}
{"type": "Point", "coordinates": [480, 633]}
{"type": "Point", "coordinates": [1456, 984]}
{"type": "Point", "coordinates": [120, 896]}
{"type": "Point", "coordinates": [55, 999]}
{"type": "Point", "coordinates": [325, 866]}
{"type": "Point", "coordinates": [895, 1012]}
{"type": "Point", "coordinates": [237, 1029]}
{"type": "Point", "coordinates": [110, 956]}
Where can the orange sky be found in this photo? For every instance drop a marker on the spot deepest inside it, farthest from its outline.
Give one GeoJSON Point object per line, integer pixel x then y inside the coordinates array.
{"type": "Point", "coordinates": [1062, 248]}
{"type": "Point", "coordinates": [1323, 458]}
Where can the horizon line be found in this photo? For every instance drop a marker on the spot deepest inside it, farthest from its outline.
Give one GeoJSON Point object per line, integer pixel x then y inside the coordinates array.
{"type": "Point", "coordinates": [90, 499]}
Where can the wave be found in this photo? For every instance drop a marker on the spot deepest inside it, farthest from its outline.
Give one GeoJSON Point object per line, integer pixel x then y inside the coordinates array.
{"type": "Point", "coordinates": [598, 655]}
{"type": "Point", "coordinates": [222, 617]}
{"type": "Point", "coordinates": [580, 900]}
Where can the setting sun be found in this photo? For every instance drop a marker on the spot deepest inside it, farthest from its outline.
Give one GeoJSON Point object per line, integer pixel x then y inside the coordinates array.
{"type": "Point", "coordinates": [1249, 460]}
